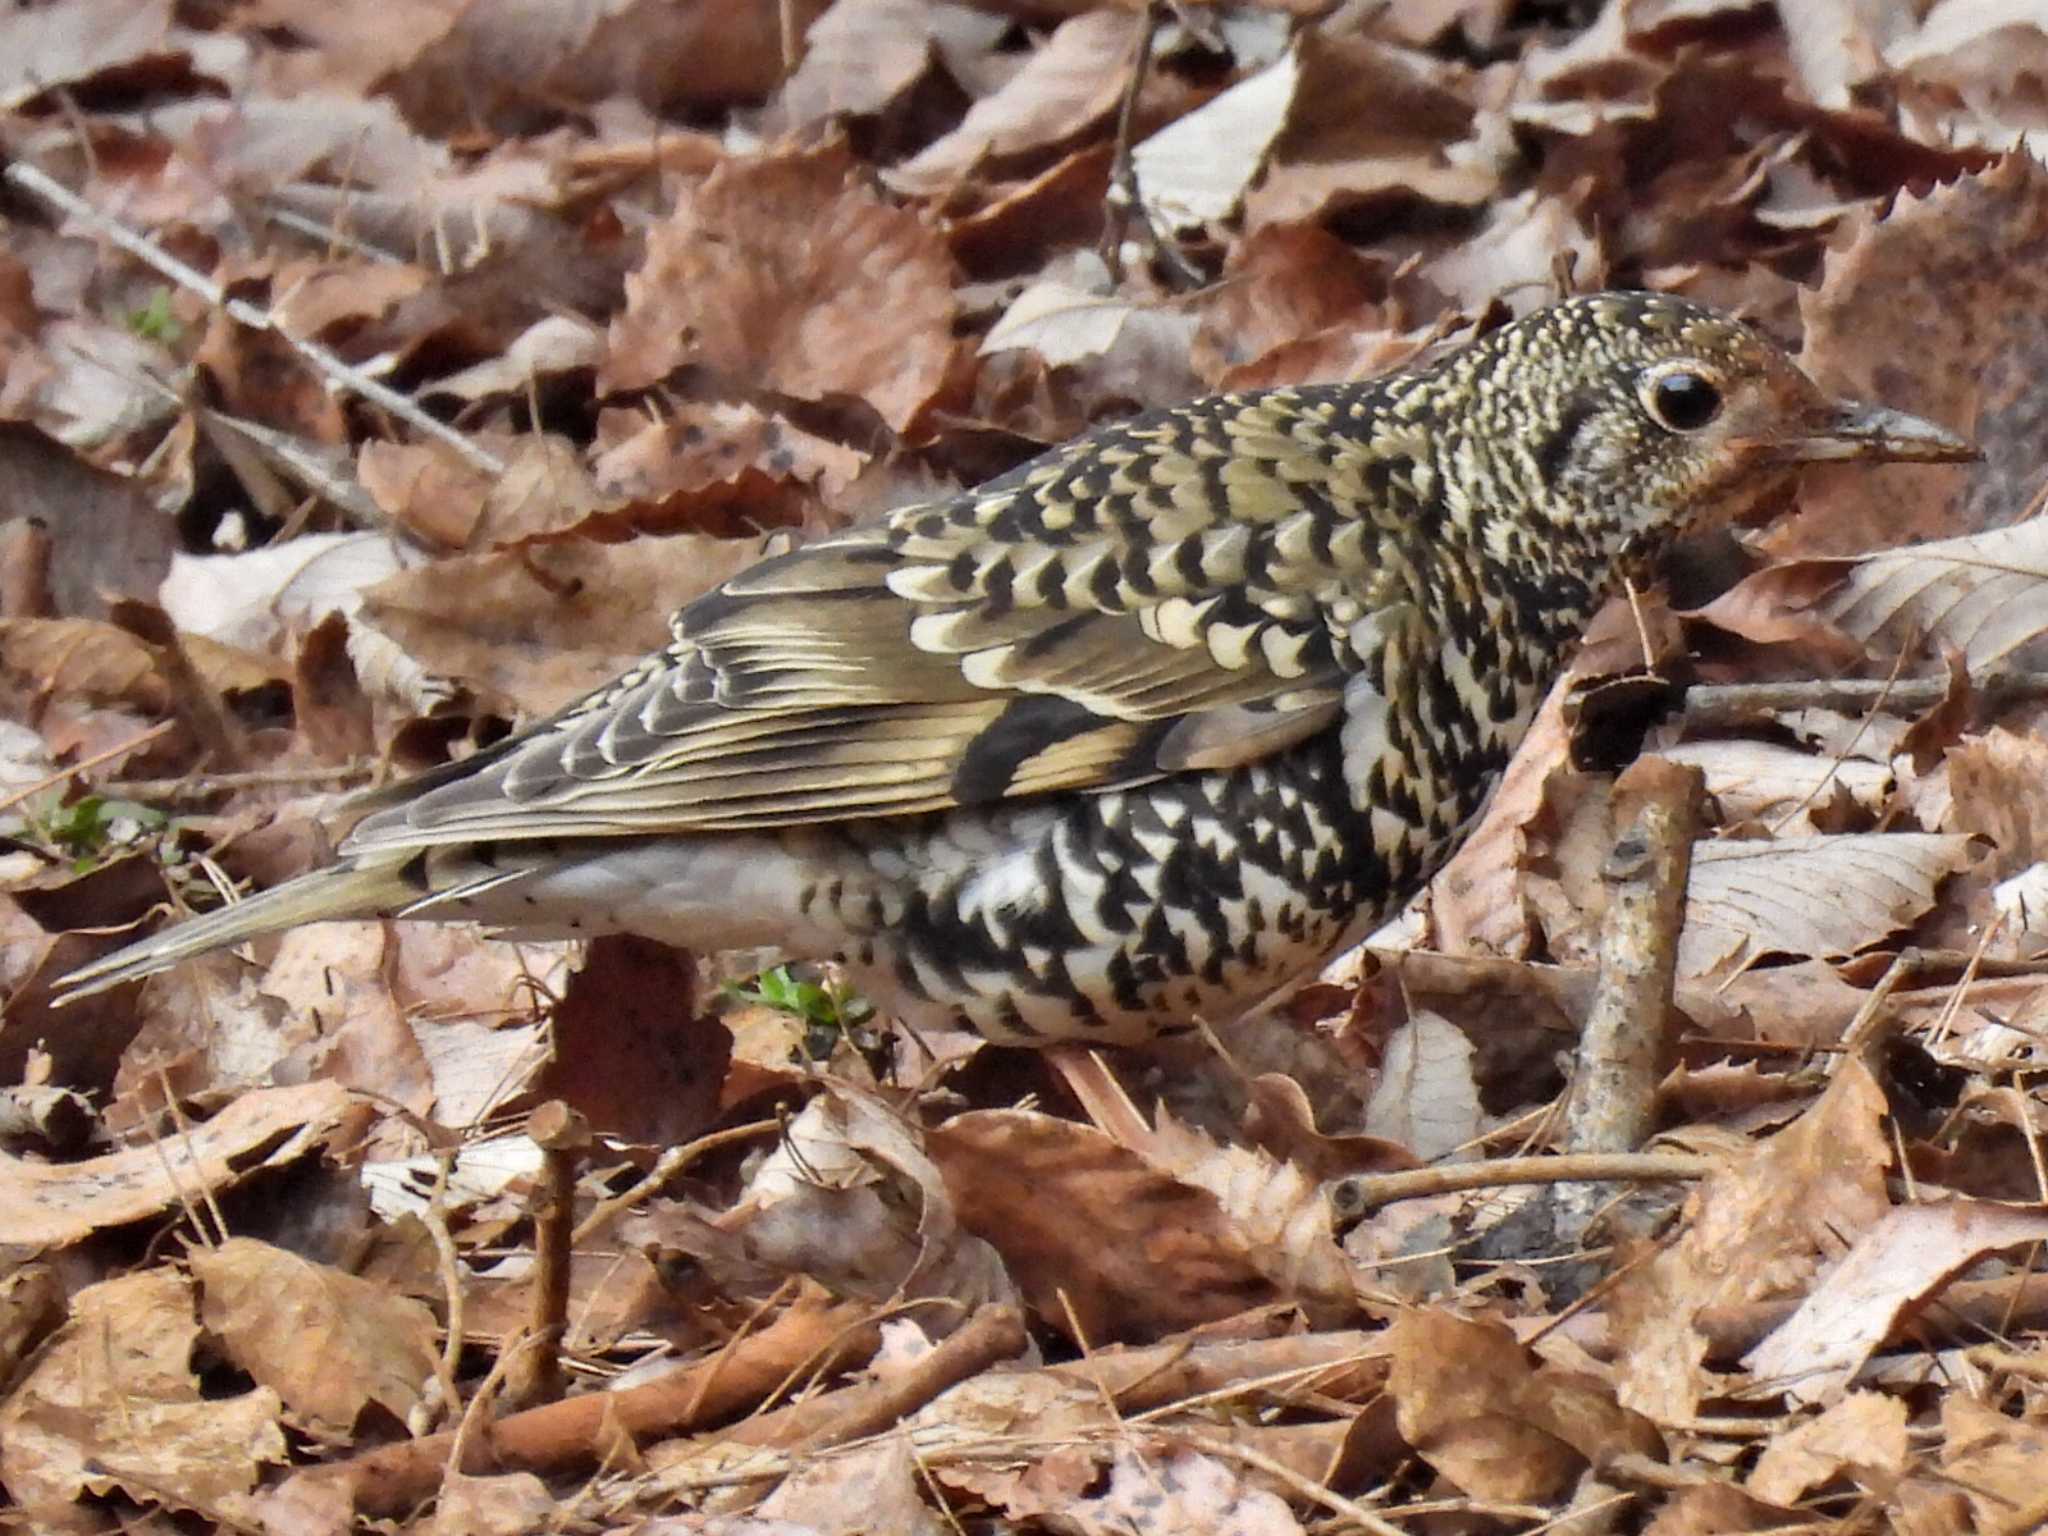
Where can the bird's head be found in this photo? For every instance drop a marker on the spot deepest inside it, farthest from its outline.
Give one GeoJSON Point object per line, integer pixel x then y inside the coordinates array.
{"type": "Point", "coordinates": [1655, 415]}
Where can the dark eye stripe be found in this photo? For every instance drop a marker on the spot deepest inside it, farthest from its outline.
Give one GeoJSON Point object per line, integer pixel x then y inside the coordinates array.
{"type": "Point", "coordinates": [1557, 446]}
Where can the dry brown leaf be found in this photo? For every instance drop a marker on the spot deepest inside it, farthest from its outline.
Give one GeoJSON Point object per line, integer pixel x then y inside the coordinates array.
{"type": "Point", "coordinates": [1839, 45]}
{"type": "Point", "coordinates": [505, 1504]}
{"type": "Point", "coordinates": [1862, 1436]}
{"type": "Point", "coordinates": [1285, 282]}
{"type": "Point", "coordinates": [334, 974]}
{"type": "Point", "coordinates": [1971, 72]}
{"type": "Point", "coordinates": [859, 58]}
{"type": "Point", "coordinates": [1277, 1212]}
{"type": "Point", "coordinates": [542, 625]}
{"type": "Point", "coordinates": [85, 382]}
{"type": "Point", "coordinates": [328, 1343]}
{"type": "Point", "coordinates": [1071, 84]}
{"type": "Point", "coordinates": [255, 599]}
{"type": "Point", "coordinates": [1926, 312]}
{"type": "Point", "coordinates": [82, 658]}
{"type": "Point", "coordinates": [1761, 1227]}
{"type": "Point", "coordinates": [632, 1051]}
{"type": "Point", "coordinates": [551, 346]}
{"type": "Point", "coordinates": [1813, 896]}
{"type": "Point", "coordinates": [852, 1196]}
{"type": "Point", "coordinates": [786, 273]}
{"type": "Point", "coordinates": [1477, 900]}
{"type": "Point", "coordinates": [1178, 1492]}
{"type": "Point", "coordinates": [1484, 1414]}
{"type": "Point", "coordinates": [113, 1403]}
{"type": "Point", "coordinates": [1980, 596]}
{"type": "Point", "coordinates": [72, 40]}
{"type": "Point", "coordinates": [1194, 173]}
{"type": "Point", "coordinates": [51, 1204]}
{"type": "Point", "coordinates": [1995, 1458]}
{"type": "Point", "coordinates": [1718, 1509]}
{"type": "Point", "coordinates": [876, 1488]}
{"type": "Point", "coordinates": [430, 491]}
{"type": "Point", "coordinates": [692, 446]}
{"type": "Point", "coordinates": [1427, 1099]}
{"type": "Point", "coordinates": [1998, 784]}
{"type": "Point", "coordinates": [1527, 241]}
{"type": "Point", "coordinates": [1779, 787]}
{"type": "Point", "coordinates": [1892, 1269]}
{"type": "Point", "coordinates": [1089, 1227]}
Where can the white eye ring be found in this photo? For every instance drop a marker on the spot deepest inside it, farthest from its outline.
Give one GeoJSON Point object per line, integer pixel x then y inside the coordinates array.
{"type": "Point", "coordinates": [1680, 397]}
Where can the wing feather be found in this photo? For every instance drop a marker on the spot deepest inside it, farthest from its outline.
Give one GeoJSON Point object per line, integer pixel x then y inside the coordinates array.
{"type": "Point", "coordinates": [1005, 642]}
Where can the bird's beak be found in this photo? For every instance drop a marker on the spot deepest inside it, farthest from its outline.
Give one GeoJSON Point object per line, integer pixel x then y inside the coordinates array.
{"type": "Point", "coordinates": [1854, 430]}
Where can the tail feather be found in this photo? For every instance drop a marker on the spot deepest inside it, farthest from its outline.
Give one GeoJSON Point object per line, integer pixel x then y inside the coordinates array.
{"type": "Point", "coordinates": [341, 890]}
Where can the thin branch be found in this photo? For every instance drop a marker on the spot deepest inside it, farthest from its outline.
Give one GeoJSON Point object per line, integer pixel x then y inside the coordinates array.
{"type": "Point", "coordinates": [29, 179]}
{"type": "Point", "coordinates": [1735, 704]}
{"type": "Point", "coordinates": [51, 781]}
{"type": "Point", "coordinates": [1369, 1191]}
{"type": "Point", "coordinates": [1627, 1042]}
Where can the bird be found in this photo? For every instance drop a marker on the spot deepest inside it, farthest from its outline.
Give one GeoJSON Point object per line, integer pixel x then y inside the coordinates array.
{"type": "Point", "coordinates": [1135, 734]}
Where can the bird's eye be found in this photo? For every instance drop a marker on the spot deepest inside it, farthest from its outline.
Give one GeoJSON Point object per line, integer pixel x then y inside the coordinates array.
{"type": "Point", "coordinates": [1682, 400]}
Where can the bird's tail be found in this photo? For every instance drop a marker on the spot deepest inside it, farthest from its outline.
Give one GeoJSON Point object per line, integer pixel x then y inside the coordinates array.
{"type": "Point", "coordinates": [353, 889]}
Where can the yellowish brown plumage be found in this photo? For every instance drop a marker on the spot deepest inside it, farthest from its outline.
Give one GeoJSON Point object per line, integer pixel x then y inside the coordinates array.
{"type": "Point", "coordinates": [1137, 732]}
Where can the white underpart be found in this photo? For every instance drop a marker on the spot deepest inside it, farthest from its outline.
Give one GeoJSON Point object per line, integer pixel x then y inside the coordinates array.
{"type": "Point", "coordinates": [728, 893]}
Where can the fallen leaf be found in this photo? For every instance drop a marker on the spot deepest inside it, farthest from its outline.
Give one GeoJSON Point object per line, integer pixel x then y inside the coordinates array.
{"type": "Point", "coordinates": [1891, 1270]}
{"type": "Point", "coordinates": [1809, 896]}
{"type": "Point", "coordinates": [51, 1204]}
{"type": "Point", "coordinates": [328, 1343]}
{"type": "Point", "coordinates": [112, 1403]}
{"type": "Point", "coordinates": [784, 271]}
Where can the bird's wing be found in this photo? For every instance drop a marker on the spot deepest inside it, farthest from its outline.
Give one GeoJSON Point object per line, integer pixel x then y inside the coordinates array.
{"type": "Point", "coordinates": [1130, 606]}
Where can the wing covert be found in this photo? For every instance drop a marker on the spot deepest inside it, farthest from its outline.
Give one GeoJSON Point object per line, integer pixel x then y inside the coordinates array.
{"type": "Point", "coordinates": [1073, 626]}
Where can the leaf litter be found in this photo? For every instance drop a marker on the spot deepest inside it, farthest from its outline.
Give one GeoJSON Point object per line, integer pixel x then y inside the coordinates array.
{"type": "Point", "coordinates": [376, 380]}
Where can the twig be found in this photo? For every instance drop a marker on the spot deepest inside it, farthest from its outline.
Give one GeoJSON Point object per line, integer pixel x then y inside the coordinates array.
{"type": "Point", "coordinates": [994, 1333]}
{"type": "Point", "coordinates": [1348, 1509]}
{"type": "Point", "coordinates": [819, 1424]}
{"type": "Point", "coordinates": [1157, 1378]}
{"type": "Point", "coordinates": [1734, 704]}
{"type": "Point", "coordinates": [194, 701]}
{"type": "Point", "coordinates": [1627, 1039]}
{"type": "Point", "coordinates": [51, 781]}
{"type": "Point", "coordinates": [29, 179]}
{"type": "Point", "coordinates": [25, 551]}
{"type": "Point", "coordinates": [434, 1217]}
{"type": "Point", "coordinates": [575, 1432]}
{"type": "Point", "coordinates": [203, 786]}
{"type": "Point", "coordinates": [1369, 1191]}
{"type": "Point", "coordinates": [1124, 204]}
{"type": "Point", "coordinates": [562, 1136]}
{"type": "Point", "coordinates": [670, 1164]}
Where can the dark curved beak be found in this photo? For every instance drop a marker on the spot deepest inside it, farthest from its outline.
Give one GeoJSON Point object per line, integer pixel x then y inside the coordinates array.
{"type": "Point", "coordinates": [1873, 433]}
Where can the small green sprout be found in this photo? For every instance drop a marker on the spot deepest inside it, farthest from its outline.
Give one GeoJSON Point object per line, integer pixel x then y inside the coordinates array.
{"type": "Point", "coordinates": [829, 1010]}
{"type": "Point", "coordinates": [92, 828]}
{"type": "Point", "coordinates": [154, 321]}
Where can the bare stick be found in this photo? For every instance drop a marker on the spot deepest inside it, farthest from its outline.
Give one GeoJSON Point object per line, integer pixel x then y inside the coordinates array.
{"type": "Point", "coordinates": [1627, 1042]}
{"type": "Point", "coordinates": [574, 1432]}
{"type": "Point", "coordinates": [204, 786]}
{"type": "Point", "coordinates": [28, 179]}
{"type": "Point", "coordinates": [1734, 704]}
{"type": "Point", "coordinates": [563, 1136]}
{"type": "Point", "coordinates": [133, 743]}
{"type": "Point", "coordinates": [1369, 1191]}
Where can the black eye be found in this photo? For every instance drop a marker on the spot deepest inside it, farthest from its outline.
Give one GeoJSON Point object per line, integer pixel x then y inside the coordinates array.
{"type": "Point", "coordinates": [1683, 401]}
